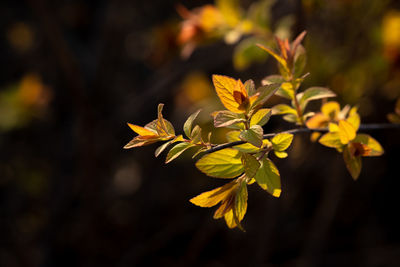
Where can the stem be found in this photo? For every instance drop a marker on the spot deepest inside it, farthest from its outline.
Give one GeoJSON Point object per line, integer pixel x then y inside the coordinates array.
{"type": "Point", "coordinates": [363, 127]}
{"type": "Point", "coordinates": [296, 103]}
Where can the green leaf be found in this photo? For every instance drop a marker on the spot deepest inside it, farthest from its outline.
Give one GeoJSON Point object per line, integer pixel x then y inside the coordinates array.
{"type": "Point", "coordinates": [353, 164]}
{"type": "Point", "coordinates": [265, 92]}
{"type": "Point", "coordinates": [300, 60]}
{"type": "Point", "coordinates": [314, 93]}
{"type": "Point", "coordinates": [261, 117]}
{"type": "Point", "coordinates": [283, 109]}
{"type": "Point", "coordinates": [225, 163]}
{"type": "Point", "coordinates": [195, 135]}
{"type": "Point", "coordinates": [286, 90]}
{"type": "Point", "coordinates": [271, 79]}
{"type": "Point", "coordinates": [331, 140]}
{"type": "Point", "coordinates": [240, 207]}
{"type": "Point", "coordinates": [250, 87]}
{"type": "Point", "coordinates": [282, 141]}
{"type": "Point", "coordinates": [226, 118]}
{"type": "Point", "coordinates": [187, 127]}
{"type": "Point", "coordinates": [254, 135]}
{"type": "Point", "coordinates": [161, 148]}
{"type": "Point", "coordinates": [177, 150]}
{"type": "Point", "coordinates": [251, 165]}
{"type": "Point", "coordinates": [281, 60]}
{"type": "Point", "coordinates": [268, 178]}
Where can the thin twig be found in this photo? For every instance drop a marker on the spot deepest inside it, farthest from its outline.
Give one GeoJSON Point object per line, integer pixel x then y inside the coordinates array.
{"type": "Point", "coordinates": [363, 127]}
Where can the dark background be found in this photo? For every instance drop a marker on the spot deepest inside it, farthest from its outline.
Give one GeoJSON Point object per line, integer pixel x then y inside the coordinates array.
{"type": "Point", "coordinates": [71, 196]}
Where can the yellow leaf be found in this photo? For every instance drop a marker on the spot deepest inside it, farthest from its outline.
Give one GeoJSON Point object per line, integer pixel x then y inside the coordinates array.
{"type": "Point", "coordinates": [319, 120]}
{"type": "Point", "coordinates": [353, 163]}
{"type": "Point", "coordinates": [213, 197]}
{"type": "Point", "coordinates": [280, 59]}
{"type": "Point", "coordinates": [268, 178]}
{"type": "Point", "coordinates": [331, 109]}
{"type": "Point", "coordinates": [375, 149]}
{"type": "Point", "coordinates": [331, 140]}
{"type": "Point", "coordinates": [346, 132]}
{"type": "Point", "coordinates": [226, 88]}
{"type": "Point", "coordinates": [333, 127]}
{"type": "Point", "coordinates": [141, 131]}
{"type": "Point", "coordinates": [225, 163]}
{"type": "Point", "coordinates": [354, 118]}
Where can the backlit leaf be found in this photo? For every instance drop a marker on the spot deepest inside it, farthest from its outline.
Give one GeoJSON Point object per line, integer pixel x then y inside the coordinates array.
{"type": "Point", "coordinates": [250, 164]}
{"type": "Point", "coordinates": [227, 118]}
{"type": "Point", "coordinates": [314, 93]}
{"type": "Point", "coordinates": [268, 178]}
{"type": "Point", "coordinates": [261, 117]}
{"type": "Point", "coordinates": [354, 118]}
{"type": "Point", "coordinates": [195, 135]}
{"type": "Point", "coordinates": [331, 140]}
{"type": "Point", "coordinates": [346, 132]}
{"type": "Point", "coordinates": [282, 141]}
{"type": "Point", "coordinates": [283, 109]}
{"type": "Point", "coordinates": [225, 163]}
{"type": "Point", "coordinates": [177, 150]}
{"type": "Point", "coordinates": [254, 135]}
{"type": "Point", "coordinates": [280, 59]}
{"type": "Point", "coordinates": [265, 92]}
{"type": "Point", "coordinates": [187, 126]}
{"type": "Point", "coordinates": [353, 164]}
{"type": "Point", "coordinates": [281, 154]}
{"type": "Point", "coordinates": [250, 87]}
{"type": "Point", "coordinates": [140, 130]}
{"type": "Point", "coordinates": [225, 88]}
{"type": "Point", "coordinates": [213, 197]}
{"type": "Point", "coordinates": [240, 207]}
{"type": "Point", "coordinates": [286, 90]}
{"type": "Point", "coordinates": [375, 148]}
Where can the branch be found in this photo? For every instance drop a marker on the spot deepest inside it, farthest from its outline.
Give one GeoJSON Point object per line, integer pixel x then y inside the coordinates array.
{"type": "Point", "coordinates": [363, 127]}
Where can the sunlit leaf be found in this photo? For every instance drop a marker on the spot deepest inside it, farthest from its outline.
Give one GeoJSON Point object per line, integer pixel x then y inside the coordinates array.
{"type": "Point", "coordinates": [261, 117]}
{"type": "Point", "coordinates": [280, 59]}
{"type": "Point", "coordinates": [250, 87]}
{"type": "Point", "coordinates": [226, 88]}
{"type": "Point", "coordinates": [331, 140]}
{"type": "Point", "coordinates": [161, 148]}
{"type": "Point", "coordinates": [331, 109]}
{"type": "Point", "coordinates": [281, 154]}
{"type": "Point", "coordinates": [254, 135]}
{"type": "Point", "coordinates": [354, 118]}
{"type": "Point", "coordinates": [250, 164]}
{"type": "Point", "coordinates": [225, 163]}
{"type": "Point", "coordinates": [286, 90]}
{"type": "Point", "coordinates": [268, 178]}
{"type": "Point", "coordinates": [353, 164]}
{"type": "Point", "coordinates": [240, 207]}
{"type": "Point", "coordinates": [281, 141]}
{"type": "Point", "coordinates": [141, 131]}
{"type": "Point", "coordinates": [265, 92]}
{"type": "Point", "coordinates": [346, 132]}
{"type": "Point", "coordinates": [226, 118]}
{"type": "Point", "coordinates": [187, 126]}
{"type": "Point", "coordinates": [314, 93]}
{"type": "Point", "coordinates": [319, 120]}
{"type": "Point", "coordinates": [230, 10]}
{"type": "Point", "coordinates": [195, 135]}
{"type": "Point", "coordinates": [213, 197]}
{"type": "Point", "coordinates": [374, 146]}
{"type": "Point", "coordinates": [283, 109]}
{"type": "Point", "coordinates": [177, 150]}
{"type": "Point", "coordinates": [271, 79]}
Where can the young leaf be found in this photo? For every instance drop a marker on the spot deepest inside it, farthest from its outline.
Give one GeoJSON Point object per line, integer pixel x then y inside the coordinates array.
{"type": "Point", "coordinates": [228, 92]}
{"type": "Point", "coordinates": [177, 150]}
{"type": "Point", "coordinates": [161, 148]}
{"type": "Point", "coordinates": [187, 127]}
{"type": "Point", "coordinates": [250, 87]}
{"type": "Point", "coordinates": [268, 177]}
{"type": "Point", "coordinates": [280, 59]}
{"type": "Point", "coordinates": [225, 163]}
{"type": "Point", "coordinates": [331, 140]}
{"type": "Point", "coordinates": [254, 135]}
{"type": "Point", "coordinates": [140, 130]}
{"type": "Point", "coordinates": [261, 117]}
{"type": "Point", "coordinates": [250, 164]}
{"type": "Point", "coordinates": [282, 141]}
{"type": "Point", "coordinates": [314, 93]}
{"type": "Point", "coordinates": [374, 146]}
{"type": "Point", "coordinates": [227, 118]}
{"type": "Point", "coordinates": [353, 163]}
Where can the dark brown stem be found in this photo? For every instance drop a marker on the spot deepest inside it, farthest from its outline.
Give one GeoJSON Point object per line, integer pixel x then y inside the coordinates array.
{"type": "Point", "coordinates": [363, 127]}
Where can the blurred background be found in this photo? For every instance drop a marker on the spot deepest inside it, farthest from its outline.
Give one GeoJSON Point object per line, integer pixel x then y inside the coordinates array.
{"type": "Point", "coordinates": [74, 72]}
